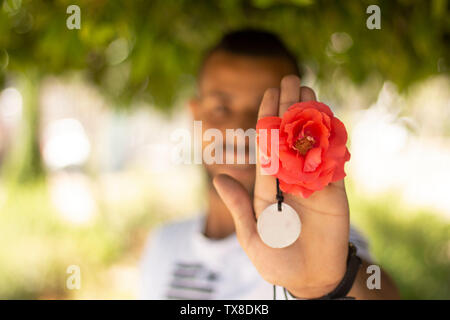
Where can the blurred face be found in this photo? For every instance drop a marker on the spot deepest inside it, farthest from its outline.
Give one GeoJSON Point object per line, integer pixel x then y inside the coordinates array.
{"type": "Point", "coordinates": [230, 90]}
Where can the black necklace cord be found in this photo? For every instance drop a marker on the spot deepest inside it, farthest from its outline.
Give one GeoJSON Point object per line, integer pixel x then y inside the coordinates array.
{"type": "Point", "coordinates": [280, 197]}
{"type": "Point", "coordinates": [280, 200]}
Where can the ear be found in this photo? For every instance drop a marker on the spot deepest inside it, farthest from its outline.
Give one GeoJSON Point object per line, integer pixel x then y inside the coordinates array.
{"type": "Point", "coordinates": [194, 106]}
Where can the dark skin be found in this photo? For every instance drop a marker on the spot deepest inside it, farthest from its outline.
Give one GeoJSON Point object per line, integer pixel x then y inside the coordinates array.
{"type": "Point", "coordinates": [234, 91]}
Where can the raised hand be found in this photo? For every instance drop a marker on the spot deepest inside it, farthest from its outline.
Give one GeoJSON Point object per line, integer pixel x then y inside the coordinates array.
{"type": "Point", "coordinates": [316, 262]}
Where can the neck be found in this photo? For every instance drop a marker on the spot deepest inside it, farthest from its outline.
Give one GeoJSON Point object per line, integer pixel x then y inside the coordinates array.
{"type": "Point", "coordinates": [219, 223]}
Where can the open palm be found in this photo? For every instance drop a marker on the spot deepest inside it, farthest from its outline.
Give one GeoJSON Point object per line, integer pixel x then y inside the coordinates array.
{"type": "Point", "coordinates": [315, 263]}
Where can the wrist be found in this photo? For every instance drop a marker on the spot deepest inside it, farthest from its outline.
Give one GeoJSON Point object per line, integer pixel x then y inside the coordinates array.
{"type": "Point", "coordinates": [312, 292]}
{"type": "Point", "coordinates": [337, 290]}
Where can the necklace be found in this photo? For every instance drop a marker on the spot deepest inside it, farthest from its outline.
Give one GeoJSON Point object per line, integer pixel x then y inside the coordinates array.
{"type": "Point", "coordinates": [279, 224]}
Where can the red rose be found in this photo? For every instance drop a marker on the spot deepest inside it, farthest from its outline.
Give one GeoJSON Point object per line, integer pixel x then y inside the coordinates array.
{"type": "Point", "coordinates": [312, 150]}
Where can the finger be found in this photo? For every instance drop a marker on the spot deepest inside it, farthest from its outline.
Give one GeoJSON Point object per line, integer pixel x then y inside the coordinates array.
{"type": "Point", "coordinates": [268, 108]}
{"type": "Point", "coordinates": [307, 94]}
{"type": "Point", "coordinates": [238, 201]}
{"type": "Point", "coordinates": [339, 184]}
{"type": "Point", "coordinates": [269, 103]}
{"type": "Point", "coordinates": [290, 93]}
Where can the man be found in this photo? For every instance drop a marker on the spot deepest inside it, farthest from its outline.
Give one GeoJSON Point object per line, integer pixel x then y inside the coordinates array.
{"type": "Point", "coordinates": [249, 75]}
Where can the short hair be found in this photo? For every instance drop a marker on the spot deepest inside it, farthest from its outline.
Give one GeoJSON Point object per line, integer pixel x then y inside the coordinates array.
{"type": "Point", "coordinates": [254, 43]}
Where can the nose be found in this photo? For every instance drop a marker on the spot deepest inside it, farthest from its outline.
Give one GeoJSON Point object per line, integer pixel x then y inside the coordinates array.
{"type": "Point", "coordinates": [245, 119]}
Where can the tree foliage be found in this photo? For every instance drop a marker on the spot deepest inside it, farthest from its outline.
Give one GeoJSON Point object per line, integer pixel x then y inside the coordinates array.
{"type": "Point", "coordinates": [151, 49]}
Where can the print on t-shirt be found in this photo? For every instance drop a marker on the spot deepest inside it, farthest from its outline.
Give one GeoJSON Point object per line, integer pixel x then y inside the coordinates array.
{"type": "Point", "coordinates": [191, 281]}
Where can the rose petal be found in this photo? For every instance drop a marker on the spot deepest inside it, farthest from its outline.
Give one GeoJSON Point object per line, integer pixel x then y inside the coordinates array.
{"type": "Point", "coordinates": [312, 160]}
{"type": "Point", "coordinates": [336, 151]}
{"type": "Point", "coordinates": [339, 172]}
{"type": "Point", "coordinates": [338, 134]}
{"type": "Point", "coordinates": [297, 175]}
{"type": "Point", "coordinates": [323, 108]}
{"type": "Point", "coordinates": [292, 130]}
{"type": "Point", "coordinates": [326, 120]}
{"type": "Point", "coordinates": [268, 124]}
{"type": "Point", "coordinates": [295, 189]}
{"type": "Point", "coordinates": [312, 104]}
{"type": "Point", "coordinates": [300, 114]}
{"type": "Point", "coordinates": [325, 176]}
{"type": "Point", "coordinates": [291, 160]}
{"type": "Point", "coordinates": [319, 132]}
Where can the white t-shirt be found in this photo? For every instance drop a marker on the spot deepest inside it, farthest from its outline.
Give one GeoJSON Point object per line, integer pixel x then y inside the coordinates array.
{"type": "Point", "coordinates": [179, 262]}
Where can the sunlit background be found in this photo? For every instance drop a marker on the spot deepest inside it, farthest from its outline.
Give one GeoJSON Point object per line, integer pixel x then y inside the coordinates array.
{"type": "Point", "coordinates": [86, 118]}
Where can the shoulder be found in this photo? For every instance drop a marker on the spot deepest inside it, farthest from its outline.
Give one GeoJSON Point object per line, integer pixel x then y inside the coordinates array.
{"type": "Point", "coordinates": [170, 234]}
{"type": "Point", "coordinates": [175, 231]}
{"type": "Point", "coordinates": [164, 244]}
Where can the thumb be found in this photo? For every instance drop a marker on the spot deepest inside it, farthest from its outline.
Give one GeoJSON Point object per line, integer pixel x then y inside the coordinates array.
{"type": "Point", "coordinates": [238, 201]}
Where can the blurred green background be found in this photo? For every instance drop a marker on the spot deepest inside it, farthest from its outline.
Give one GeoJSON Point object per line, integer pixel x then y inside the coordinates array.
{"type": "Point", "coordinates": [85, 117]}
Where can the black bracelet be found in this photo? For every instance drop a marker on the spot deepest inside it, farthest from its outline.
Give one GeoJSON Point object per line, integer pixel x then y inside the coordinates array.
{"type": "Point", "coordinates": [346, 284]}
{"type": "Point", "coordinates": [344, 287]}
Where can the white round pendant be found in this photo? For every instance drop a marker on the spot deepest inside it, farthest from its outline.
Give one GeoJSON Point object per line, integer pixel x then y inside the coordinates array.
{"type": "Point", "coordinates": [279, 229]}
